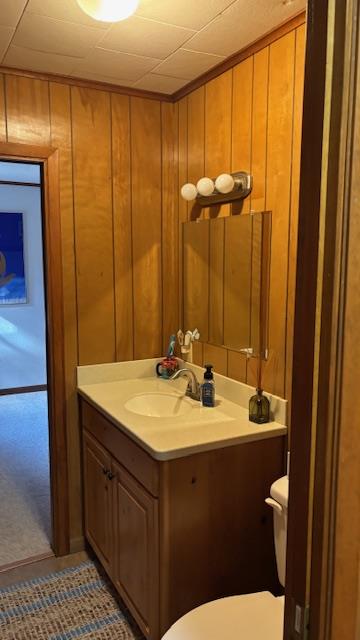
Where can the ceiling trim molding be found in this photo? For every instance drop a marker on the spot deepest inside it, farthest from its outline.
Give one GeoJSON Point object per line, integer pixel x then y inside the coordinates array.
{"type": "Point", "coordinates": [241, 55]}
{"type": "Point", "coordinates": [86, 84]}
{"type": "Point", "coordinates": [225, 65]}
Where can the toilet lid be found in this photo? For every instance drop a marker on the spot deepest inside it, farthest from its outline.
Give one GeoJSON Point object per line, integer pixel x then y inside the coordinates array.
{"type": "Point", "coordinates": [249, 617]}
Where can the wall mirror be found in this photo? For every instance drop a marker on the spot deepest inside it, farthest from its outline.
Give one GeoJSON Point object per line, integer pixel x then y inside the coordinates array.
{"type": "Point", "coordinates": [226, 281]}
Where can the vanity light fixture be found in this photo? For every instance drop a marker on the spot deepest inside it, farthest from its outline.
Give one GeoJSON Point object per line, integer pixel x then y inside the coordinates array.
{"type": "Point", "coordinates": [189, 191]}
{"type": "Point", "coordinates": [205, 186]}
{"type": "Point", "coordinates": [226, 188]}
{"type": "Point", "coordinates": [225, 183]}
{"type": "Point", "coordinates": [109, 10]}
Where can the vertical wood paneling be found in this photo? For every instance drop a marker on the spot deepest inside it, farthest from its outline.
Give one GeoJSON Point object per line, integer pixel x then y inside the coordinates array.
{"type": "Point", "coordinates": [198, 353]}
{"type": "Point", "coordinates": [295, 183]}
{"type": "Point", "coordinates": [259, 129]}
{"type": "Point", "coordinates": [237, 364]}
{"type": "Point", "coordinates": [278, 183]}
{"type": "Point", "coordinates": [146, 221]}
{"type": "Point", "coordinates": [27, 105]}
{"type": "Point", "coordinates": [237, 287]}
{"type": "Point", "coordinates": [196, 143]}
{"type": "Point", "coordinates": [121, 176]}
{"type": "Point", "coordinates": [241, 120]}
{"type": "Point", "coordinates": [249, 114]}
{"type": "Point", "coordinates": [60, 120]}
{"type": "Point", "coordinates": [170, 223]}
{"type": "Point", "coordinates": [218, 125]}
{"type": "Point", "coordinates": [183, 208]}
{"type": "Point", "coordinates": [2, 109]}
{"type": "Point", "coordinates": [93, 224]}
{"type": "Point", "coordinates": [216, 281]}
{"type": "Point", "coordinates": [217, 357]}
{"type": "Point", "coordinates": [196, 278]}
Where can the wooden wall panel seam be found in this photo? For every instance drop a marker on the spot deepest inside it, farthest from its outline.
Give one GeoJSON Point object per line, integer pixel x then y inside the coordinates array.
{"type": "Point", "coordinates": [162, 336]}
{"type": "Point", "coordinates": [290, 215]}
{"type": "Point", "coordinates": [132, 232]}
{"type": "Point", "coordinates": [123, 259]}
{"type": "Point", "coordinates": [74, 222]}
{"type": "Point", "coordinates": [112, 222]}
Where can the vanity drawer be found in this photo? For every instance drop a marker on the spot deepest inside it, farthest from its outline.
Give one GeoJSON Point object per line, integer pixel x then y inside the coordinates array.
{"type": "Point", "coordinates": [139, 463]}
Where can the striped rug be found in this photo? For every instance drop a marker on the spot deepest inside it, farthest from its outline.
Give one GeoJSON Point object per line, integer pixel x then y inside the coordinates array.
{"type": "Point", "coordinates": [75, 603]}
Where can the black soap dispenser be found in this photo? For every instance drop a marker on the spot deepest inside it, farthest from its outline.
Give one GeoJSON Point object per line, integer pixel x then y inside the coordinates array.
{"type": "Point", "coordinates": [208, 387]}
{"type": "Point", "coordinates": [259, 408]}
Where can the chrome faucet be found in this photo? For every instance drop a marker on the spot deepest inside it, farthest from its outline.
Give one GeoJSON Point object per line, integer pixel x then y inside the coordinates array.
{"type": "Point", "coordinates": [193, 387]}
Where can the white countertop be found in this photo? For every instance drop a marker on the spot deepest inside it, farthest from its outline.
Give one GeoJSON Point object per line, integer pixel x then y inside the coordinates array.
{"type": "Point", "coordinates": [108, 387]}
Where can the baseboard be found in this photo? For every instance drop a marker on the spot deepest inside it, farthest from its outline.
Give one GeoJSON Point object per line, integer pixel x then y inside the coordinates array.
{"type": "Point", "coordinates": [32, 389]}
{"type": "Point", "coordinates": [77, 544]}
{"type": "Point", "coordinates": [25, 561]}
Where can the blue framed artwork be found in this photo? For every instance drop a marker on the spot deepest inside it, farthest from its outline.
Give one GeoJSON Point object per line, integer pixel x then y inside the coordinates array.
{"type": "Point", "coordinates": [12, 268]}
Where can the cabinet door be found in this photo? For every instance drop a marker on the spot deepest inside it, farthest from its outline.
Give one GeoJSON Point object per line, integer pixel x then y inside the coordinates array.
{"type": "Point", "coordinates": [98, 499]}
{"type": "Point", "coordinates": [136, 555]}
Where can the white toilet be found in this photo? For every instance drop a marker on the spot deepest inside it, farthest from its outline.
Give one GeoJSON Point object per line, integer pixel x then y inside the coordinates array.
{"type": "Point", "coordinates": [253, 616]}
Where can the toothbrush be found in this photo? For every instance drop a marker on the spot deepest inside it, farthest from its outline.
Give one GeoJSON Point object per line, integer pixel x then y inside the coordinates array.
{"type": "Point", "coordinates": [171, 347]}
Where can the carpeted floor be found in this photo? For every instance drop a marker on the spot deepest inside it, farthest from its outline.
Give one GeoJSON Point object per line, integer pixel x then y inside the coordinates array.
{"type": "Point", "coordinates": [75, 603]}
{"type": "Point", "coordinates": [25, 527]}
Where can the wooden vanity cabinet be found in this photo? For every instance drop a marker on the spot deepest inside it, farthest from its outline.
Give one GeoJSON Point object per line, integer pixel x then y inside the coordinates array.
{"type": "Point", "coordinates": [135, 549]}
{"type": "Point", "coordinates": [98, 499]}
{"type": "Point", "coordinates": [175, 534]}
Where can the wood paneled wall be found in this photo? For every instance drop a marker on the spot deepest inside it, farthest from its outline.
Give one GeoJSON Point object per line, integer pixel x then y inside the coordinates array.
{"type": "Point", "coordinates": [249, 118]}
{"type": "Point", "coordinates": [122, 159]}
{"type": "Point", "coordinates": [118, 197]}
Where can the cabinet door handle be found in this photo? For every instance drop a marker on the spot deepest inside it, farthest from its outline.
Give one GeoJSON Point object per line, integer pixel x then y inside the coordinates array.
{"type": "Point", "coordinates": [110, 475]}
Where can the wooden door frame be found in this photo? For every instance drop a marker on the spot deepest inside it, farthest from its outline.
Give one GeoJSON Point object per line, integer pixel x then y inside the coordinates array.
{"type": "Point", "coordinates": [48, 158]}
{"type": "Point", "coordinates": [327, 202]}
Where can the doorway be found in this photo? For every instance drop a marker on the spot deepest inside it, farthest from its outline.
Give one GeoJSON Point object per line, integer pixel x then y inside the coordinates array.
{"type": "Point", "coordinates": [25, 526]}
{"type": "Point", "coordinates": [48, 159]}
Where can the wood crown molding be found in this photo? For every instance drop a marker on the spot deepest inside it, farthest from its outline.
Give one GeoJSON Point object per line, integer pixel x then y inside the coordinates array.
{"type": "Point", "coordinates": [225, 65]}
{"type": "Point", "coordinates": [86, 84]}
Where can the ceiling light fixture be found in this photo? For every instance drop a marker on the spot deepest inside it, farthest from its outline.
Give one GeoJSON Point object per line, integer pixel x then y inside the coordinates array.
{"type": "Point", "coordinates": [109, 10]}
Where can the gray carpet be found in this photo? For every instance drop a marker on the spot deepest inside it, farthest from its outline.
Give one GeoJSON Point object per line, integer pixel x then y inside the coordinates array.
{"type": "Point", "coordinates": [74, 603]}
{"type": "Point", "coordinates": [24, 477]}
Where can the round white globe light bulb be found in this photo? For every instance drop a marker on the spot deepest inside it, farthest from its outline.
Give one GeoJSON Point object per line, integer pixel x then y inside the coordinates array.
{"type": "Point", "coordinates": [205, 186]}
{"type": "Point", "coordinates": [225, 183]}
{"type": "Point", "coordinates": [109, 10]}
{"type": "Point", "coordinates": [189, 191]}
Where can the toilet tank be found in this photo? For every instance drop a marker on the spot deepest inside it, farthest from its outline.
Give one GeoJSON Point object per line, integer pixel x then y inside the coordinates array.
{"type": "Point", "coordinates": [279, 493]}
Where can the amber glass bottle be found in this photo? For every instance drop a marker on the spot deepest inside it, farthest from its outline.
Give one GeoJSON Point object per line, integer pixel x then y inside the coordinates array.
{"type": "Point", "coordinates": [259, 408]}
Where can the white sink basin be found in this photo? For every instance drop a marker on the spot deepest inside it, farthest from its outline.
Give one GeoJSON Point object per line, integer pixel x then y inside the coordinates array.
{"type": "Point", "coordinates": [159, 404]}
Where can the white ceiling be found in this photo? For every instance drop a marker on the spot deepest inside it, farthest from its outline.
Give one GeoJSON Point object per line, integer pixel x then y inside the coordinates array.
{"type": "Point", "coordinates": [165, 45]}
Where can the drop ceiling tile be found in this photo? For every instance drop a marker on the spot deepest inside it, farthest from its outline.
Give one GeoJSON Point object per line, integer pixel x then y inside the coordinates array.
{"type": "Point", "coordinates": [6, 33]}
{"type": "Point", "coordinates": [240, 25]}
{"type": "Point", "coordinates": [187, 64]}
{"type": "Point", "coordinates": [187, 13]}
{"type": "Point", "coordinates": [53, 36]}
{"type": "Point", "coordinates": [67, 10]}
{"type": "Point", "coordinates": [123, 66]}
{"type": "Point", "coordinates": [11, 11]}
{"type": "Point", "coordinates": [87, 75]}
{"type": "Point", "coordinates": [21, 58]}
{"type": "Point", "coordinates": [161, 84]}
{"type": "Point", "coordinates": [145, 37]}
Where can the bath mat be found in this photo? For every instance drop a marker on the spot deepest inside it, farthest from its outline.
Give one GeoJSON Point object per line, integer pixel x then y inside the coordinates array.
{"type": "Point", "coordinates": [78, 602]}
